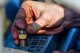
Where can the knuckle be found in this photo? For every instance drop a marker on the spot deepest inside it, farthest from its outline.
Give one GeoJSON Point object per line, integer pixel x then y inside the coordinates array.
{"type": "Point", "coordinates": [47, 17]}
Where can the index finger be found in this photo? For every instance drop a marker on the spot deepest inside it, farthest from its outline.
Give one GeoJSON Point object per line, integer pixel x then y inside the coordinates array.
{"type": "Point", "coordinates": [28, 12]}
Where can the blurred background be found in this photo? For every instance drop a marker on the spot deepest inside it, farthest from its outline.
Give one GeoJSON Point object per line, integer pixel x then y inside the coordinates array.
{"type": "Point", "coordinates": [8, 11]}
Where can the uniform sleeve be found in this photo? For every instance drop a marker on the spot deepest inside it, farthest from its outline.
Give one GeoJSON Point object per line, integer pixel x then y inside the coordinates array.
{"type": "Point", "coordinates": [72, 4]}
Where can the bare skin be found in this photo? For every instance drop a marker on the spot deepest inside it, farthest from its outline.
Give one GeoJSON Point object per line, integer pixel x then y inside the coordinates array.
{"type": "Point", "coordinates": [49, 18]}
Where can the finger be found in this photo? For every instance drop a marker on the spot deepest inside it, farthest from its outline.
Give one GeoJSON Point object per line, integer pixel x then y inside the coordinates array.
{"type": "Point", "coordinates": [14, 31]}
{"type": "Point", "coordinates": [33, 28]}
{"type": "Point", "coordinates": [51, 30]}
{"type": "Point", "coordinates": [29, 12]}
{"type": "Point", "coordinates": [20, 24]}
{"type": "Point", "coordinates": [37, 25]}
{"type": "Point", "coordinates": [20, 19]}
{"type": "Point", "coordinates": [42, 31]}
{"type": "Point", "coordinates": [21, 14]}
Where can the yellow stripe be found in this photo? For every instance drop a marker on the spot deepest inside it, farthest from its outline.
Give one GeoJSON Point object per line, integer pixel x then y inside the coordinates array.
{"type": "Point", "coordinates": [22, 36]}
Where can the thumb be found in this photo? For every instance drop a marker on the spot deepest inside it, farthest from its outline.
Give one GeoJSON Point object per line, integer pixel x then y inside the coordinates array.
{"type": "Point", "coordinates": [37, 25]}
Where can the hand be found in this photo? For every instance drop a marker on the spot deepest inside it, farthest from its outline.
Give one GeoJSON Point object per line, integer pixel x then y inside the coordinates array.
{"type": "Point", "coordinates": [46, 18]}
{"type": "Point", "coordinates": [41, 18]}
